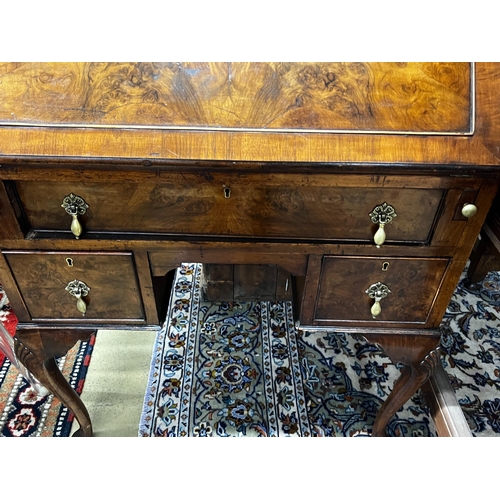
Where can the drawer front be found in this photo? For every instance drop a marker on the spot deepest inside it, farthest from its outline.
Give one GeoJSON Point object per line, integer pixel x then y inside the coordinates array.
{"type": "Point", "coordinates": [42, 279]}
{"type": "Point", "coordinates": [235, 207]}
{"type": "Point", "coordinates": [343, 283]}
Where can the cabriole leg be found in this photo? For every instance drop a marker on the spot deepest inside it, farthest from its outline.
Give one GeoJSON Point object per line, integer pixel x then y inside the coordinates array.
{"type": "Point", "coordinates": [419, 357]}
{"type": "Point", "coordinates": [37, 349]}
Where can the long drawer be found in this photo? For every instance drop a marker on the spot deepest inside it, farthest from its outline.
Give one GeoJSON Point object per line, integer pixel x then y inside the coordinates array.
{"type": "Point", "coordinates": [271, 208]}
{"type": "Point", "coordinates": [50, 283]}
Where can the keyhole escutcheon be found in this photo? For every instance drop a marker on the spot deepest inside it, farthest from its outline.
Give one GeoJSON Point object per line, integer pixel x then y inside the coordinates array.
{"type": "Point", "coordinates": [227, 192]}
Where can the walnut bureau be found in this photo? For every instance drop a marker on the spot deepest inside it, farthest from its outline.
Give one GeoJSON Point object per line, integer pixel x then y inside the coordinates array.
{"type": "Point", "coordinates": [364, 184]}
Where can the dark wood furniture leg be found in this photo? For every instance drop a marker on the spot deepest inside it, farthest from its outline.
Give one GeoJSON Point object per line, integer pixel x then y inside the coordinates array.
{"type": "Point", "coordinates": [485, 257]}
{"type": "Point", "coordinates": [419, 359]}
{"type": "Point", "coordinates": [37, 349]}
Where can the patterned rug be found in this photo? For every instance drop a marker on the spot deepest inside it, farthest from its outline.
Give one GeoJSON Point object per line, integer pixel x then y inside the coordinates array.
{"type": "Point", "coordinates": [24, 413]}
{"type": "Point", "coordinates": [242, 369]}
{"type": "Point", "coordinates": [471, 341]}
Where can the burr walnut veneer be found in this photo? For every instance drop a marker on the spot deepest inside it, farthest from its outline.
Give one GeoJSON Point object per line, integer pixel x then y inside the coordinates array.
{"type": "Point", "coordinates": [357, 190]}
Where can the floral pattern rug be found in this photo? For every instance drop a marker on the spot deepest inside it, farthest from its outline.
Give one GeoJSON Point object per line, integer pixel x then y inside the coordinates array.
{"type": "Point", "coordinates": [242, 369]}
{"type": "Point", "coordinates": [471, 345]}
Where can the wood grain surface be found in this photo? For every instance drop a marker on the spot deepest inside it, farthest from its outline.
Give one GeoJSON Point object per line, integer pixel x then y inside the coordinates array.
{"type": "Point", "coordinates": [42, 279]}
{"type": "Point", "coordinates": [395, 97]}
{"type": "Point", "coordinates": [414, 283]}
{"type": "Point", "coordinates": [224, 205]}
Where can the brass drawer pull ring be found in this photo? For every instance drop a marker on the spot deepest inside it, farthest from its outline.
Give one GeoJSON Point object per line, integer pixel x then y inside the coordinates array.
{"type": "Point", "coordinates": [382, 215]}
{"type": "Point", "coordinates": [377, 291]}
{"type": "Point", "coordinates": [75, 206]}
{"type": "Point", "coordinates": [78, 289]}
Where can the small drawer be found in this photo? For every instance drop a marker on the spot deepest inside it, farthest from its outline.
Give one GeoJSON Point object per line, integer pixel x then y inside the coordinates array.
{"type": "Point", "coordinates": [44, 281]}
{"type": "Point", "coordinates": [287, 207]}
{"type": "Point", "coordinates": [408, 287]}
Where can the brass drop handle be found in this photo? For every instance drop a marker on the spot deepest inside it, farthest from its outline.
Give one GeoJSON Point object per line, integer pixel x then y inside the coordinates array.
{"type": "Point", "coordinates": [469, 210]}
{"type": "Point", "coordinates": [80, 304]}
{"type": "Point", "coordinates": [382, 215]}
{"type": "Point", "coordinates": [76, 227]}
{"type": "Point", "coordinates": [75, 206]}
{"type": "Point", "coordinates": [377, 291]}
{"type": "Point", "coordinates": [78, 289]}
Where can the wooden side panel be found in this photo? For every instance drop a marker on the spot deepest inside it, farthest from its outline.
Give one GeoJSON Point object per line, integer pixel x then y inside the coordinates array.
{"type": "Point", "coordinates": [9, 225]}
{"type": "Point", "coordinates": [10, 286]}
{"type": "Point", "coordinates": [42, 278]}
{"type": "Point", "coordinates": [323, 96]}
{"type": "Point", "coordinates": [463, 250]}
{"type": "Point", "coordinates": [146, 286]}
{"type": "Point", "coordinates": [487, 95]}
{"type": "Point", "coordinates": [451, 223]}
{"type": "Point", "coordinates": [309, 288]}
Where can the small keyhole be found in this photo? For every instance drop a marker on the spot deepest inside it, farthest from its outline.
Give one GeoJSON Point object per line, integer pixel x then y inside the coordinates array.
{"type": "Point", "coordinates": [385, 266]}
{"type": "Point", "coordinates": [69, 262]}
{"type": "Point", "coordinates": [227, 192]}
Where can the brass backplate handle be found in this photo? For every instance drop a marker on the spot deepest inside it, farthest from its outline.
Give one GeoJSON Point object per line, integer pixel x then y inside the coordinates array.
{"type": "Point", "coordinates": [78, 289]}
{"type": "Point", "coordinates": [75, 206]}
{"type": "Point", "coordinates": [377, 292]}
{"type": "Point", "coordinates": [382, 215]}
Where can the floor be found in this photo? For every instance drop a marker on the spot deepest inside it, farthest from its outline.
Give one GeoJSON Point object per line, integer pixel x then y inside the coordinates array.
{"type": "Point", "coordinates": [116, 381]}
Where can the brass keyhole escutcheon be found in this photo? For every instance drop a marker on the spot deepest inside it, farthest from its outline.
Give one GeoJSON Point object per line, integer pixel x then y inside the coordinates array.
{"type": "Point", "coordinates": [385, 266]}
{"type": "Point", "coordinates": [227, 192]}
{"type": "Point", "coordinates": [69, 261]}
